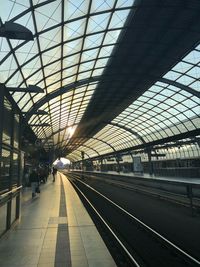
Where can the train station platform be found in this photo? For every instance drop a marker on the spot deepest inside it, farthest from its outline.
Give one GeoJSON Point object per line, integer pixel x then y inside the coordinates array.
{"type": "Point", "coordinates": [189, 180]}
{"type": "Point", "coordinates": [54, 230]}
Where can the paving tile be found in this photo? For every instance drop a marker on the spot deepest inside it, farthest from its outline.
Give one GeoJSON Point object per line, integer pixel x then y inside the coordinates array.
{"type": "Point", "coordinates": [78, 252]}
{"type": "Point", "coordinates": [45, 239]}
{"type": "Point", "coordinates": [78, 263]}
{"type": "Point", "coordinates": [46, 260]}
{"type": "Point", "coordinates": [48, 250]}
{"type": "Point", "coordinates": [101, 263]}
{"type": "Point", "coordinates": [95, 253]}
{"type": "Point", "coordinates": [46, 265]}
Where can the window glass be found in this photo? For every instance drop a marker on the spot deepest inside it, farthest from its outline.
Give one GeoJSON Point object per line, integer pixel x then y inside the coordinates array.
{"type": "Point", "coordinates": [15, 169]}
{"type": "Point", "coordinates": [5, 169]}
{"type": "Point", "coordinates": [7, 122]}
{"type": "Point", "coordinates": [16, 131]}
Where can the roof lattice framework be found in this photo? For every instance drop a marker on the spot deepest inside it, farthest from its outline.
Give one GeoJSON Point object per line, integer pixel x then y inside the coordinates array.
{"type": "Point", "coordinates": [116, 74]}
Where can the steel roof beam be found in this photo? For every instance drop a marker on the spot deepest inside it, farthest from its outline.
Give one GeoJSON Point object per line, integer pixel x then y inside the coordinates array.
{"type": "Point", "coordinates": [62, 154]}
{"type": "Point", "coordinates": [30, 9]}
{"type": "Point", "coordinates": [61, 61]}
{"type": "Point", "coordinates": [189, 134]}
{"type": "Point", "coordinates": [87, 138]}
{"type": "Point", "coordinates": [128, 130]}
{"type": "Point", "coordinates": [88, 148]}
{"type": "Point", "coordinates": [181, 86]}
{"type": "Point", "coordinates": [59, 24]}
{"type": "Point", "coordinates": [58, 92]}
{"type": "Point", "coordinates": [40, 57]}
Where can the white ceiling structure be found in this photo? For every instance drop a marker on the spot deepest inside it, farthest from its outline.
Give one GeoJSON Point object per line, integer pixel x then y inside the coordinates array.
{"type": "Point", "coordinates": [77, 56]}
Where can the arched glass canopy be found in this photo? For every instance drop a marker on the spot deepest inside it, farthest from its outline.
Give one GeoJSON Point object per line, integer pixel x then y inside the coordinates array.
{"type": "Point", "coordinates": [79, 57]}
{"type": "Point", "coordinates": [73, 40]}
{"type": "Point", "coordinates": [164, 110]}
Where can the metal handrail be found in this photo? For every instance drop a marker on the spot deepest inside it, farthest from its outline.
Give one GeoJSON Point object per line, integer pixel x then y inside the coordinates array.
{"type": "Point", "coordinates": [10, 192]}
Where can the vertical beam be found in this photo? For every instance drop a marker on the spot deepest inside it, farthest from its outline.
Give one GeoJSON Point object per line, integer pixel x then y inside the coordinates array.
{"type": "Point", "coordinates": [92, 164]}
{"type": "Point", "coordinates": [105, 166]}
{"type": "Point", "coordinates": [132, 161]}
{"type": "Point", "coordinates": [9, 205]}
{"type": "Point", "coordinates": [20, 168]}
{"type": "Point", "coordinates": [150, 161]}
{"type": "Point", "coordinates": [118, 164]}
{"type": "Point", "coordinates": [1, 124]}
{"type": "Point", "coordinates": [101, 164]}
{"type": "Point", "coordinates": [82, 159]}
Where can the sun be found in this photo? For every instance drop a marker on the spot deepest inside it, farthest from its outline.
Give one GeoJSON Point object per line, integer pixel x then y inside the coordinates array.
{"type": "Point", "coordinates": [71, 130]}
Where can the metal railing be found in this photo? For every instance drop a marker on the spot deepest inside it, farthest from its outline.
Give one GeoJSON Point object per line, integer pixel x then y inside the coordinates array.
{"type": "Point", "coordinates": [7, 196]}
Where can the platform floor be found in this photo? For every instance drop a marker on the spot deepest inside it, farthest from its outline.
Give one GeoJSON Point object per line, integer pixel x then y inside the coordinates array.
{"type": "Point", "coordinates": [55, 230]}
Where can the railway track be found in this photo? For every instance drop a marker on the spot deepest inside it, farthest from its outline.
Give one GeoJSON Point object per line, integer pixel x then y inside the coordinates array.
{"type": "Point", "coordinates": [148, 190]}
{"type": "Point", "coordinates": [136, 242]}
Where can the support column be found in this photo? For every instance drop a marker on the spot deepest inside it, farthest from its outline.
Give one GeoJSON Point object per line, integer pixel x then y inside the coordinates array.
{"type": "Point", "coordinates": [9, 205]}
{"type": "Point", "coordinates": [1, 120]}
{"type": "Point", "coordinates": [105, 166]}
{"type": "Point", "coordinates": [150, 161]}
{"type": "Point", "coordinates": [82, 159]}
{"type": "Point", "coordinates": [92, 165]}
{"type": "Point", "coordinates": [101, 164]}
{"type": "Point", "coordinates": [118, 165]}
{"type": "Point", "coordinates": [20, 169]}
{"type": "Point", "coordinates": [132, 162]}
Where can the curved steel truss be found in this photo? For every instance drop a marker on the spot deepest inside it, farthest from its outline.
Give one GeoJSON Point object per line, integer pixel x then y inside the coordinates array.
{"type": "Point", "coordinates": [119, 75]}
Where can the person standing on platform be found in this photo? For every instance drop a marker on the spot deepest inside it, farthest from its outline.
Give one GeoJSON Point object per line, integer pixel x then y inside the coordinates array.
{"type": "Point", "coordinates": [34, 180]}
{"type": "Point", "coordinates": [54, 171]}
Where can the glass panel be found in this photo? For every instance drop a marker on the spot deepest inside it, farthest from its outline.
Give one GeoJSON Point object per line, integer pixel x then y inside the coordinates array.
{"type": "Point", "coordinates": [13, 210]}
{"type": "Point", "coordinates": [15, 176]}
{"type": "Point", "coordinates": [5, 169]}
{"type": "Point", "coordinates": [3, 214]}
{"type": "Point", "coordinates": [7, 122]}
{"type": "Point", "coordinates": [51, 65]}
{"type": "Point", "coordinates": [16, 131]}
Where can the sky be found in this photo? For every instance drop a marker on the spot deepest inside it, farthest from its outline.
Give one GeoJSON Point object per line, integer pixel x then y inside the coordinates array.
{"type": "Point", "coordinates": [60, 162]}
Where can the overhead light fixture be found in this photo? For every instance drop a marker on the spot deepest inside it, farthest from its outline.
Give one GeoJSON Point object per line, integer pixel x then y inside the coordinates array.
{"type": "Point", "coordinates": [30, 89]}
{"type": "Point", "coordinates": [15, 31]}
{"type": "Point", "coordinates": [35, 89]}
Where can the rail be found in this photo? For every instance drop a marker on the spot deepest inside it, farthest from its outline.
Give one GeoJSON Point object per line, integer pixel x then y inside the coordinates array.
{"type": "Point", "coordinates": [7, 196]}
{"type": "Point", "coordinates": [127, 252]}
{"type": "Point", "coordinates": [187, 192]}
{"type": "Point", "coordinates": [168, 243]}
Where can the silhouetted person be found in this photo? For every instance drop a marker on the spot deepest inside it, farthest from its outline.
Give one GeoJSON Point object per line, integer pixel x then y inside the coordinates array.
{"type": "Point", "coordinates": [54, 171]}
{"type": "Point", "coordinates": [34, 180]}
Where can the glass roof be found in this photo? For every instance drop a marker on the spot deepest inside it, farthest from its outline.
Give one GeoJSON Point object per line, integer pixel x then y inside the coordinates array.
{"type": "Point", "coordinates": [73, 42]}
{"type": "Point", "coordinates": [164, 110]}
